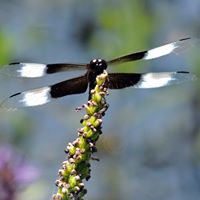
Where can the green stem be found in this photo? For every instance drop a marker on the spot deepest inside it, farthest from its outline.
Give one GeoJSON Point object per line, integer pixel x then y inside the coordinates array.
{"type": "Point", "coordinates": [77, 166]}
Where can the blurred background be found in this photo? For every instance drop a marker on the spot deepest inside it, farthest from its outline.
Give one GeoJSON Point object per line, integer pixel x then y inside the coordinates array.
{"type": "Point", "coordinates": [150, 147]}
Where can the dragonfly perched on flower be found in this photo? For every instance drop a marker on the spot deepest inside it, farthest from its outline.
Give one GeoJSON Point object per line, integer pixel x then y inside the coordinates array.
{"type": "Point", "coordinates": [77, 85]}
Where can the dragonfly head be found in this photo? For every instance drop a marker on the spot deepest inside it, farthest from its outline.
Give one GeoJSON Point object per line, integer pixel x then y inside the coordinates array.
{"type": "Point", "coordinates": [98, 65]}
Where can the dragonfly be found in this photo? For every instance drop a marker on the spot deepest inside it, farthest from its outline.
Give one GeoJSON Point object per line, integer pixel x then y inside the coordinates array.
{"type": "Point", "coordinates": [77, 85]}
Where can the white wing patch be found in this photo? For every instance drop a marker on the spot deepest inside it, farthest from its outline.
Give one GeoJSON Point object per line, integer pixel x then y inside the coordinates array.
{"type": "Point", "coordinates": [35, 97]}
{"type": "Point", "coordinates": [31, 70]}
{"type": "Point", "coordinates": [154, 80]}
{"type": "Point", "coordinates": [160, 51]}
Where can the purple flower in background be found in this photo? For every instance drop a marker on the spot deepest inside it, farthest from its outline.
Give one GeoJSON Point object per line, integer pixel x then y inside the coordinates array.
{"type": "Point", "coordinates": [15, 174]}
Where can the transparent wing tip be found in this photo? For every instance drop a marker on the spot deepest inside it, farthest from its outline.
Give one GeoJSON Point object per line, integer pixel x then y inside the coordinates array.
{"type": "Point", "coordinates": [7, 105]}
{"type": "Point", "coordinates": [184, 76]}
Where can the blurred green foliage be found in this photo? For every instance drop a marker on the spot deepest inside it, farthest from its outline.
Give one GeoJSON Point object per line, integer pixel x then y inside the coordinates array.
{"type": "Point", "coordinates": [6, 46]}
{"type": "Point", "coordinates": [127, 27]}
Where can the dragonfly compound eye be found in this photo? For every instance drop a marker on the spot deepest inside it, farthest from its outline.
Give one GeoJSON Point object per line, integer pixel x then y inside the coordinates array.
{"type": "Point", "coordinates": [98, 64]}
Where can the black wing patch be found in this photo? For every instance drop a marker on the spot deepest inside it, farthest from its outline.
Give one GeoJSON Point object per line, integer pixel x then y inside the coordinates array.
{"type": "Point", "coordinates": [122, 80]}
{"type": "Point", "coordinates": [72, 86]}
{"type": "Point", "coordinates": [61, 67]}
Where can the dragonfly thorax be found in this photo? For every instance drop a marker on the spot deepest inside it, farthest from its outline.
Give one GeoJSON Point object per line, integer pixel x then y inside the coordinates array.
{"type": "Point", "coordinates": [98, 65]}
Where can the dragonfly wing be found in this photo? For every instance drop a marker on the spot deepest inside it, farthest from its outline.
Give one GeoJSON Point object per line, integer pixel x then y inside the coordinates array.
{"type": "Point", "coordinates": [148, 80]}
{"type": "Point", "coordinates": [33, 70]}
{"type": "Point", "coordinates": [157, 52]}
{"type": "Point", "coordinates": [44, 95]}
